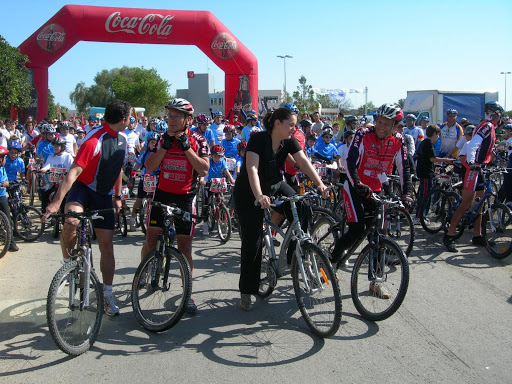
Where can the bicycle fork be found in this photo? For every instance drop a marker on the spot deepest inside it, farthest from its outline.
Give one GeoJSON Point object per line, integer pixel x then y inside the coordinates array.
{"type": "Point", "coordinates": [376, 259]}
{"type": "Point", "coordinates": [157, 264]}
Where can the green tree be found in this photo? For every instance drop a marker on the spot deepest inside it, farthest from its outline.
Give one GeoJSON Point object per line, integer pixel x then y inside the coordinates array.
{"type": "Point", "coordinates": [304, 96]}
{"type": "Point", "coordinates": [401, 103]}
{"type": "Point", "coordinates": [369, 107]}
{"type": "Point", "coordinates": [15, 87]}
{"type": "Point", "coordinates": [326, 101]}
{"type": "Point", "coordinates": [140, 87]}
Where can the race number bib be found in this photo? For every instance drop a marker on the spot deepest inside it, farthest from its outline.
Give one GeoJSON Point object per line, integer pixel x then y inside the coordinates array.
{"type": "Point", "coordinates": [219, 185]}
{"type": "Point", "coordinates": [231, 163]}
{"type": "Point", "coordinates": [57, 175]}
{"type": "Point", "coordinates": [322, 171]}
{"type": "Point", "coordinates": [131, 158]}
{"type": "Point", "coordinates": [32, 164]}
{"type": "Point", "coordinates": [149, 184]}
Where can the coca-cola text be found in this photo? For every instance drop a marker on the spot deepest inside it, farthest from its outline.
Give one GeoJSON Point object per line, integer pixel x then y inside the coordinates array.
{"type": "Point", "coordinates": [149, 24]}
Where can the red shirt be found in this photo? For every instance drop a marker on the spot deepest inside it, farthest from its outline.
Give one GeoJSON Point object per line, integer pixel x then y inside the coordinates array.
{"type": "Point", "coordinates": [301, 139]}
{"type": "Point", "coordinates": [176, 172]}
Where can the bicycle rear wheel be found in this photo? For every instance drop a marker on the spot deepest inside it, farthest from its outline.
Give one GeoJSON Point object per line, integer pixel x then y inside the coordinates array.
{"type": "Point", "coordinates": [28, 223]}
{"type": "Point", "coordinates": [122, 223]}
{"type": "Point", "coordinates": [320, 305]}
{"type": "Point", "coordinates": [324, 234]}
{"type": "Point", "coordinates": [73, 327]}
{"type": "Point", "coordinates": [379, 292]}
{"type": "Point", "coordinates": [497, 231]}
{"type": "Point", "coordinates": [160, 307]}
{"type": "Point", "coordinates": [210, 216]}
{"type": "Point", "coordinates": [143, 214]}
{"type": "Point", "coordinates": [5, 233]}
{"type": "Point", "coordinates": [33, 184]}
{"type": "Point", "coordinates": [401, 228]}
{"type": "Point", "coordinates": [433, 211]}
{"type": "Point", "coordinates": [224, 224]}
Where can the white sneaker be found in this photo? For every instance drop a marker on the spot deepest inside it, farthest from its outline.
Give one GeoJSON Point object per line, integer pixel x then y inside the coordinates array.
{"type": "Point", "coordinates": [132, 224]}
{"type": "Point", "coordinates": [416, 220]}
{"type": "Point", "coordinates": [110, 306]}
{"type": "Point", "coordinates": [205, 229]}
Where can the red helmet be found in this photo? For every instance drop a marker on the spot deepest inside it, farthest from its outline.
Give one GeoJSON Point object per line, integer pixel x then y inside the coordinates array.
{"type": "Point", "coordinates": [203, 119]}
{"type": "Point", "coordinates": [228, 128]}
{"type": "Point", "coordinates": [241, 145]}
{"type": "Point", "coordinates": [217, 150]}
{"type": "Point", "coordinates": [3, 151]}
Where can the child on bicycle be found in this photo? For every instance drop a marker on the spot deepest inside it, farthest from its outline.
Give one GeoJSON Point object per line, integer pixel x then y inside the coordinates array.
{"type": "Point", "coordinates": [426, 157]}
{"type": "Point", "coordinates": [218, 169]}
{"type": "Point", "coordinates": [13, 164]}
{"type": "Point", "coordinates": [4, 203]}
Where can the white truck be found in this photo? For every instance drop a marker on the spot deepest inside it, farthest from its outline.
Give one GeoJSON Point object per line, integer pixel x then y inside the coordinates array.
{"type": "Point", "coordinates": [434, 103]}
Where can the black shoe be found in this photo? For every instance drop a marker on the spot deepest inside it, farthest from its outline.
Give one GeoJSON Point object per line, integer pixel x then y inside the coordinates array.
{"type": "Point", "coordinates": [191, 307]}
{"type": "Point", "coordinates": [13, 248]}
{"type": "Point", "coordinates": [448, 242]}
{"type": "Point", "coordinates": [479, 240]}
{"type": "Point", "coordinates": [276, 242]}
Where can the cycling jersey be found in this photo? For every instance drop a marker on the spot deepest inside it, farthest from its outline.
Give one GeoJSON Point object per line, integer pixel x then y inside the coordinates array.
{"type": "Point", "coordinates": [370, 157]}
{"type": "Point", "coordinates": [216, 170]}
{"type": "Point", "coordinates": [208, 135]}
{"type": "Point", "coordinates": [141, 160]}
{"type": "Point", "coordinates": [246, 132]}
{"type": "Point", "coordinates": [44, 149]}
{"type": "Point", "coordinates": [3, 178]}
{"type": "Point", "coordinates": [448, 139]}
{"type": "Point", "coordinates": [176, 172]}
{"type": "Point", "coordinates": [417, 134]}
{"type": "Point", "coordinates": [60, 163]}
{"type": "Point", "coordinates": [479, 149]}
{"type": "Point", "coordinates": [12, 167]}
{"type": "Point", "coordinates": [218, 130]}
{"type": "Point", "coordinates": [230, 147]}
{"type": "Point", "coordinates": [327, 151]}
{"type": "Point", "coordinates": [101, 157]}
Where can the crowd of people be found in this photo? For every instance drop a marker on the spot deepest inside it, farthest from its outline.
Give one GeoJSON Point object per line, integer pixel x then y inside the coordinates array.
{"type": "Point", "coordinates": [262, 158]}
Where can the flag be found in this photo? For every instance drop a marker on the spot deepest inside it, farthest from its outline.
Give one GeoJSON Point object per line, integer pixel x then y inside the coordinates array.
{"type": "Point", "coordinates": [190, 74]}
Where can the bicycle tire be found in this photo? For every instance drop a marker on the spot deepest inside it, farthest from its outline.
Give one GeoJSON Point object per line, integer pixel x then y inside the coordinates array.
{"type": "Point", "coordinates": [224, 224]}
{"type": "Point", "coordinates": [123, 223]}
{"type": "Point", "coordinates": [324, 234]}
{"type": "Point", "coordinates": [160, 309]}
{"type": "Point", "coordinates": [143, 213]}
{"type": "Point", "coordinates": [339, 209]}
{"type": "Point", "coordinates": [268, 276]}
{"type": "Point", "coordinates": [433, 211]}
{"type": "Point", "coordinates": [453, 198]}
{"type": "Point", "coordinates": [210, 217]}
{"type": "Point", "coordinates": [33, 181]}
{"type": "Point", "coordinates": [74, 330]}
{"type": "Point", "coordinates": [28, 223]}
{"type": "Point", "coordinates": [499, 242]}
{"type": "Point", "coordinates": [5, 234]}
{"type": "Point", "coordinates": [394, 269]}
{"type": "Point", "coordinates": [56, 227]}
{"type": "Point", "coordinates": [403, 234]}
{"type": "Point", "coordinates": [321, 309]}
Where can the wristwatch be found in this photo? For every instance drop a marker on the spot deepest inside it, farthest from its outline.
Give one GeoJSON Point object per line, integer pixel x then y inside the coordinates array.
{"type": "Point", "coordinates": [118, 197]}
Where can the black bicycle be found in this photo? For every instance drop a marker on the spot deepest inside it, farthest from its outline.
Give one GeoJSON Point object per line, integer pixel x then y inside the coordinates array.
{"type": "Point", "coordinates": [28, 224]}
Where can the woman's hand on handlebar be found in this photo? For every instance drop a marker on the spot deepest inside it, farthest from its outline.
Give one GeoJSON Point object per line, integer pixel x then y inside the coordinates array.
{"type": "Point", "coordinates": [323, 190]}
{"type": "Point", "coordinates": [264, 201]}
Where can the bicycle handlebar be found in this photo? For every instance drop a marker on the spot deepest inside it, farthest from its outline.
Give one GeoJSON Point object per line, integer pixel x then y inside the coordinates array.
{"type": "Point", "coordinates": [173, 210]}
{"type": "Point", "coordinates": [94, 214]}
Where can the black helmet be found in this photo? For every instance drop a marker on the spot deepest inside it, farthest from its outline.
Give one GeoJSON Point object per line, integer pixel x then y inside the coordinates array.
{"type": "Point", "coordinates": [305, 123]}
{"type": "Point", "coordinates": [59, 140]}
{"type": "Point", "coordinates": [494, 107]}
{"type": "Point", "coordinates": [348, 133]}
{"type": "Point", "coordinates": [327, 132]}
{"type": "Point", "coordinates": [350, 119]}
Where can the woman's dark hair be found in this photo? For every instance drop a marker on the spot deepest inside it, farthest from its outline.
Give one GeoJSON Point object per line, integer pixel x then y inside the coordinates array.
{"type": "Point", "coordinates": [117, 111]}
{"type": "Point", "coordinates": [280, 114]}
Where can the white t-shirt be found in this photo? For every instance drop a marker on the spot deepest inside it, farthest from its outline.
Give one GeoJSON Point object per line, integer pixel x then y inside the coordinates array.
{"type": "Point", "coordinates": [57, 164]}
{"type": "Point", "coordinates": [448, 138]}
{"type": "Point", "coordinates": [4, 136]}
{"type": "Point", "coordinates": [141, 131]}
{"type": "Point", "coordinates": [343, 153]}
{"type": "Point", "coordinates": [27, 138]}
{"type": "Point", "coordinates": [70, 140]}
{"type": "Point", "coordinates": [132, 140]}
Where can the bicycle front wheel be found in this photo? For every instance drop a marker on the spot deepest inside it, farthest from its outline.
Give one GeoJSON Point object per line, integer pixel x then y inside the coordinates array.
{"type": "Point", "coordinates": [73, 327]}
{"type": "Point", "coordinates": [324, 234]}
{"type": "Point", "coordinates": [317, 291]}
{"type": "Point", "coordinates": [268, 276]}
{"type": "Point", "coordinates": [224, 224]}
{"type": "Point", "coordinates": [143, 214]}
{"type": "Point", "coordinates": [122, 223]}
{"type": "Point", "coordinates": [401, 228]}
{"type": "Point", "coordinates": [159, 305]}
{"type": "Point", "coordinates": [5, 233]}
{"type": "Point", "coordinates": [28, 223]}
{"type": "Point", "coordinates": [497, 231]}
{"type": "Point", "coordinates": [378, 291]}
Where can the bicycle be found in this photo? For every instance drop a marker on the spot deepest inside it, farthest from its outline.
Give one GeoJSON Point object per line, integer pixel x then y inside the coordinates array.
{"type": "Point", "coordinates": [27, 220]}
{"type": "Point", "coordinates": [216, 210]}
{"type": "Point", "coordinates": [121, 220]}
{"type": "Point", "coordinates": [74, 306]}
{"type": "Point", "coordinates": [5, 234]}
{"type": "Point", "coordinates": [36, 180]}
{"type": "Point", "coordinates": [314, 281]}
{"type": "Point", "coordinates": [162, 284]}
{"type": "Point", "coordinates": [382, 261]}
{"type": "Point", "coordinates": [496, 219]}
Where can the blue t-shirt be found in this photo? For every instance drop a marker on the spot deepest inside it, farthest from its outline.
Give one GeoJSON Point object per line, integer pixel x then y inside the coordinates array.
{"type": "Point", "coordinates": [326, 150]}
{"type": "Point", "coordinates": [12, 167]}
{"type": "Point", "coordinates": [142, 158]}
{"type": "Point", "coordinates": [216, 170]}
{"type": "Point", "coordinates": [3, 177]}
{"type": "Point", "coordinates": [208, 135]}
{"type": "Point", "coordinates": [230, 147]}
{"type": "Point", "coordinates": [45, 149]}
{"type": "Point", "coordinates": [310, 151]}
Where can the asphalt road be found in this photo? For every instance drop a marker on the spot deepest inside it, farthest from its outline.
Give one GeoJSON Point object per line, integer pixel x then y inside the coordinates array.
{"type": "Point", "coordinates": [453, 327]}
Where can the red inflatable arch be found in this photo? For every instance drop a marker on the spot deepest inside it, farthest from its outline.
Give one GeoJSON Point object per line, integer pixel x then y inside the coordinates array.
{"type": "Point", "coordinates": [74, 23]}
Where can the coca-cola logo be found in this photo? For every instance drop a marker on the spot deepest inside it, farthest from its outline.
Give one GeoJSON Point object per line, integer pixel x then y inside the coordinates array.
{"type": "Point", "coordinates": [224, 46]}
{"type": "Point", "coordinates": [150, 24]}
{"type": "Point", "coordinates": [51, 37]}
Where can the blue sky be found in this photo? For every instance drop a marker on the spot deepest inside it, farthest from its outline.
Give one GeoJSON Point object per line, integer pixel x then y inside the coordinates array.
{"type": "Point", "coordinates": [389, 46]}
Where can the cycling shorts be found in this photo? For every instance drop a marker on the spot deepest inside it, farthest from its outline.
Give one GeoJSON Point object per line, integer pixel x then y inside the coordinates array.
{"type": "Point", "coordinates": [185, 202]}
{"type": "Point", "coordinates": [91, 200]}
{"type": "Point", "coordinates": [141, 193]}
{"type": "Point", "coordinates": [473, 180]}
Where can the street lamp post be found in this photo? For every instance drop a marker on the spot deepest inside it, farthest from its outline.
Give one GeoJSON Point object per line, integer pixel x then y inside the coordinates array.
{"type": "Point", "coordinates": [284, 61]}
{"type": "Point", "coordinates": [505, 73]}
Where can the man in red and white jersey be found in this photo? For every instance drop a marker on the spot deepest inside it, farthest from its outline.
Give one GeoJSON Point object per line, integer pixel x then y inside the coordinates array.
{"type": "Point", "coordinates": [371, 156]}
{"type": "Point", "coordinates": [92, 179]}
{"type": "Point", "coordinates": [182, 156]}
{"type": "Point", "coordinates": [478, 154]}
